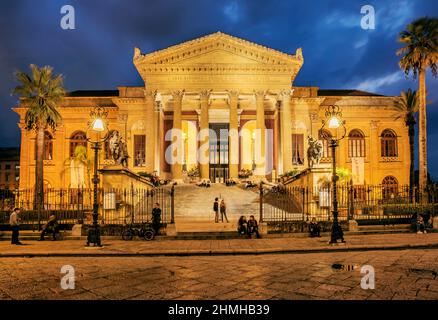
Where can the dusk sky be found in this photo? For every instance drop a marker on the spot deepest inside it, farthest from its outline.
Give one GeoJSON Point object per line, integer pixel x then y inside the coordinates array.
{"type": "Point", "coordinates": [338, 53]}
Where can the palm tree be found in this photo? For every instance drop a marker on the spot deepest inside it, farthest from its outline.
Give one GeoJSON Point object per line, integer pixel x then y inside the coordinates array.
{"type": "Point", "coordinates": [419, 53]}
{"type": "Point", "coordinates": [407, 107]}
{"type": "Point", "coordinates": [40, 93]}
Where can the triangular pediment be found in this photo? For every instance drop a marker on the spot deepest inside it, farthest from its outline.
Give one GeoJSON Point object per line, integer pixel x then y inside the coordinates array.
{"type": "Point", "coordinates": [217, 48]}
{"type": "Point", "coordinates": [217, 56]}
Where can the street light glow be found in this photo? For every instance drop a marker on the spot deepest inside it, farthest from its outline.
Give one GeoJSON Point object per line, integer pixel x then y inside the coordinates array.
{"type": "Point", "coordinates": [333, 123]}
{"type": "Point", "coordinates": [98, 125]}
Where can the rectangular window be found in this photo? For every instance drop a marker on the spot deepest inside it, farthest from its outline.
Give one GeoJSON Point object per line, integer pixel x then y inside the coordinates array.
{"type": "Point", "coordinates": [7, 177]}
{"type": "Point", "coordinates": [7, 167]}
{"type": "Point", "coordinates": [139, 150]}
{"type": "Point", "coordinates": [297, 149]}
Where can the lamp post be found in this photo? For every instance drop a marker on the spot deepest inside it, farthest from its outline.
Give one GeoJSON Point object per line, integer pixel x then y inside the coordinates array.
{"type": "Point", "coordinates": [97, 125]}
{"type": "Point", "coordinates": [253, 136]}
{"type": "Point", "coordinates": [184, 138]}
{"type": "Point", "coordinates": [334, 122]}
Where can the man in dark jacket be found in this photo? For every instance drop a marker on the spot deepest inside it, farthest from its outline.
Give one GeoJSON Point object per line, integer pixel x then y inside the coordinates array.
{"type": "Point", "coordinates": [156, 218]}
{"type": "Point", "coordinates": [216, 210]}
{"type": "Point", "coordinates": [253, 227]}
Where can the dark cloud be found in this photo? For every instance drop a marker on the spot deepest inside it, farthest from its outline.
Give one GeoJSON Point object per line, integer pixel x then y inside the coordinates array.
{"type": "Point", "coordinates": [98, 54]}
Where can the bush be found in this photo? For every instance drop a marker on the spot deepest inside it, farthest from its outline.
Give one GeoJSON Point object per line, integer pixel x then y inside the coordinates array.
{"type": "Point", "coordinates": [193, 172]}
{"type": "Point", "coordinates": [245, 173]}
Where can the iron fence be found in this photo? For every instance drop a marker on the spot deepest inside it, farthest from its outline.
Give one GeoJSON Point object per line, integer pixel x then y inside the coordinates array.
{"type": "Point", "coordinates": [364, 203]}
{"type": "Point", "coordinates": [116, 206]}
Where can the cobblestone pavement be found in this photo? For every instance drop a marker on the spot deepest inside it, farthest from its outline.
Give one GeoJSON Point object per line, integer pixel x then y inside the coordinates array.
{"type": "Point", "coordinates": [404, 274]}
{"type": "Point", "coordinates": [228, 246]}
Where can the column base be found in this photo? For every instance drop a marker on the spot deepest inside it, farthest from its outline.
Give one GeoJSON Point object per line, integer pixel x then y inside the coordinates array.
{"type": "Point", "coordinates": [353, 226]}
{"type": "Point", "coordinates": [263, 228]}
{"type": "Point", "coordinates": [171, 230]}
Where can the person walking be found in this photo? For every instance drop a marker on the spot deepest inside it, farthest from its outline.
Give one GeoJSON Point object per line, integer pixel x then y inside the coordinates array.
{"type": "Point", "coordinates": [14, 221]}
{"type": "Point", "coordinates": [216, 210]}
{"type": "Point", "coordinates": [223, 209]}
{"type": "Point", "coordinates": [156, 218]}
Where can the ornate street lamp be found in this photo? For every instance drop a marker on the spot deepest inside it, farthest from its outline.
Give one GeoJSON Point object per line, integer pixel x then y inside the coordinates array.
{"type": "Point", "coordinates": [98, 125]}
{"type": "Point", "coordinates": [336, 125]}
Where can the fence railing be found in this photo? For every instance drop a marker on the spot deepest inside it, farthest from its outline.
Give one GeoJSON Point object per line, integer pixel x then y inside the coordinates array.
{"type": "Point", "coordinates": [301, 203]}
{"type": "Point", "coordinates": [116, 206]}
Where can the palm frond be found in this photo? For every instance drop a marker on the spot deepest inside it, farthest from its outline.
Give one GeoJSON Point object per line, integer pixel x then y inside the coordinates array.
{"type": "Point", "coordinates": [41, 92]}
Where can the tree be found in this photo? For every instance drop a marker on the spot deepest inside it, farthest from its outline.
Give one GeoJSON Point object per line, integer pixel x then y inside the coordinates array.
{"type": "Point", "coordinates": [79, 161]}
{"type": "Point", "coordinates": [406, 108]}
{"type": "Point", "coordinates": [40, 92]}
{"type": "Point", "coordinates": [420, 52]}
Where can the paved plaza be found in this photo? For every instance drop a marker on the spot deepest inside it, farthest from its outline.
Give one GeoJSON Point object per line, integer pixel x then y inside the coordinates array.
{"type": "Point", "coordinates": [402, 274]}
{"type": "Point", "coordinates": [220, 247]}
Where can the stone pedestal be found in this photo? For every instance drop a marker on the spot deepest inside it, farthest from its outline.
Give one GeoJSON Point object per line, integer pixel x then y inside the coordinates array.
{"type": "Point", "coordinates": [119, 177]}
{"type": "Point", "coordinates": [171, 230]}
{"type": "Point", "coordinates": [263, 228]}
{"type": "Point", "coordinates": [313, 177]}
{"type": "Point", "coordinates": [76, 231]}
{"type": "Point", "coordinates": [353, 225]}
{"type": "Point", "coordinates": [435, 223]}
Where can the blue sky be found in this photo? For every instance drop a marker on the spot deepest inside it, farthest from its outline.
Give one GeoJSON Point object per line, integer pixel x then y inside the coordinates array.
{"type": "Point", "coordinates": [338, 53]}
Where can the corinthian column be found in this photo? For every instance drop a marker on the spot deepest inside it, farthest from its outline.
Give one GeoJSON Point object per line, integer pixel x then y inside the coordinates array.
{"type": "Point", "coordinates": [151, 144]}
{"type": "Point", "coordinates": [260, 156]}
{"type": "Point", "coordinates": [204, 135]}
{"type": "Point", "coordinates": [176, 166]}
{"type": "Point", "coordinates": [234, 134]}
{"type": "Point", "coordinates": [286, 132]}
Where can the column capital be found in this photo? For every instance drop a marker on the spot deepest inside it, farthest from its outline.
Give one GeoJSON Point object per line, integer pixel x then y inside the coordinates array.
{"type": "Point", "coordinates": [233, 96]}
{"type": "Point", "coordinates": [204, 95]}
{"type": "Point", "coordinates": [374, 124]}
{"type": "Point", "coordinates": [178, 95]}
{"type": "Point", "coordinates": [285, 94]}
{"type": "Point", "coordinates": [150, 94]}
{"type": "Point", "coordinates": [260, 94]}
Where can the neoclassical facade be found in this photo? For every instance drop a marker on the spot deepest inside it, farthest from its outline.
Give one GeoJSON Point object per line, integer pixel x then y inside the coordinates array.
{"type": "Point", "coordinates": [215, 84]}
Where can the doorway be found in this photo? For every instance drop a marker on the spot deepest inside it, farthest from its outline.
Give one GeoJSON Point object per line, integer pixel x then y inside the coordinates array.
{"type": "Point", "coordinates": [219, 155]}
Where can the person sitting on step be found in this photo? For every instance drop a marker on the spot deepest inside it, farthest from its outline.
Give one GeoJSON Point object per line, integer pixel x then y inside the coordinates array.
{"type": "Point", "coordinates": [242, 226]}
{"type": "Point", "coordinates": [253, 227]}
{"type": "Point", "coordinates": [314, 228]}
{"type": "Point", "coordinates": [50, 227]}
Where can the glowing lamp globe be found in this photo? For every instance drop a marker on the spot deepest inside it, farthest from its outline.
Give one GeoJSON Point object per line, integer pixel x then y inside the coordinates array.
{"type": "Point", "coordinates": [98, 125]}
{"type": "Point", "coordinates": [334, 123]}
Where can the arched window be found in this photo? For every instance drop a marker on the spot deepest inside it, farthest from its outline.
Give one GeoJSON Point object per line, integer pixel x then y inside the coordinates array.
{"type": "Point", "coordinates": [356, 144]}
{"type": "Point", "coordinates": [388, 144]}
{"type": "Point", "coordinates": [48, 146]}
{"type": "Point", "coordinates": [325, 136]}
{"type": "Point", "coordinates": [389, 187]}
{"type": "Point", "coordinates": [78, 138]}
{"type": "Point", "coordinates": [106, 148]}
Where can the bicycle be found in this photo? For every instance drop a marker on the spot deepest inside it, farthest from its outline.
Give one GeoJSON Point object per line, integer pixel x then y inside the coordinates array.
{"type": "Point", "coordinates": [145, 231]}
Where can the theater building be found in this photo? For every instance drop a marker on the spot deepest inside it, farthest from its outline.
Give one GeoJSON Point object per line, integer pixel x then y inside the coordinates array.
{"type": "Point", "coordinates": [222, 82]}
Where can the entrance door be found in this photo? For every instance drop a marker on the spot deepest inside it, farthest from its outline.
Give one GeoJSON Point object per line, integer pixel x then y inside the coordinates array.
{"type": "Point", "coordinates": [219, 152]}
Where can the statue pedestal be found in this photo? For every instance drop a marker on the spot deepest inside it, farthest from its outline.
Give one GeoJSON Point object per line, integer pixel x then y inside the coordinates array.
{"type": "Point", "coordinates": [119, 177]}
{"type": "Point", "coordinates": [312, 177]}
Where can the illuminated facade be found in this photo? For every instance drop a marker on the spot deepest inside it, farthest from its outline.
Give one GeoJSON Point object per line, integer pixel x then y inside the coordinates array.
{"type": "Point", "coordinates": [223, 82]}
